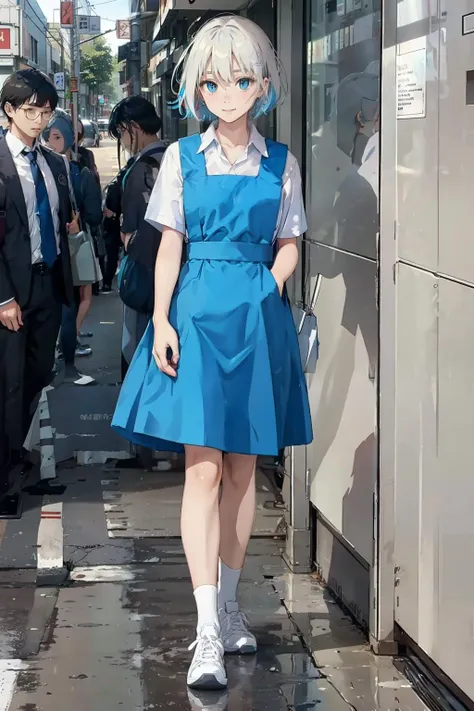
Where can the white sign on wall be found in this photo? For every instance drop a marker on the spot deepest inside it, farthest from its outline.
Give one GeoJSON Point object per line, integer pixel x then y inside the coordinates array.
{"type": "Point", "coordinates": [59, 81]}
{"type": "Point", "coordinates": [89, 24]}
{"type": "Point", "coordinates": [411, 84]}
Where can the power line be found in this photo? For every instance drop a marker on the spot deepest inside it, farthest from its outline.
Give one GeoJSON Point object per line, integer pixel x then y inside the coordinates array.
{"type": "Point", "coordinates": [106, 2]}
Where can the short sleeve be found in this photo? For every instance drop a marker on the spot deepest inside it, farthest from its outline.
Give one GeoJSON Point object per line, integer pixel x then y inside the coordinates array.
{"type": "Point", "coordinates": [292, 221]}
{"type": "Point", "coordinates": [166, 208]}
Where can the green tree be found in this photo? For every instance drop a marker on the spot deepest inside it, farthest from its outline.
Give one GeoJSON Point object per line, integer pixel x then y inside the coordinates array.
{"type": "Point", "coordinates": [97, 63]}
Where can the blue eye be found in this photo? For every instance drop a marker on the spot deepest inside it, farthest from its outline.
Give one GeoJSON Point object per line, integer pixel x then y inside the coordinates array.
{"type": "Point", "coordinates": [211, 87]}
{"type": "Point", "coordinates": [244, 84]}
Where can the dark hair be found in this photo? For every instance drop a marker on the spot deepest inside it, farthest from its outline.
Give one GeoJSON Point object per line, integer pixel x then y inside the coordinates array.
{"type": "Point", "coordinates": [28, 84]}
{"type": "Point", "coordinates": [134, 109]}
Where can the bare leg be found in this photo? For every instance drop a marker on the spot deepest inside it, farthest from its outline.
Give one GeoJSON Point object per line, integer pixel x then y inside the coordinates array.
{"type": "Point", "coordinates": [84, 305]}
{"type": "Point", "coordinates": [237, 508]}
{"type": "Point", "coordinates": [200, 536]}
{"type": "Point", "coordinates": [237, 513]}
{"type": "Point", "coordinates": [200, 514]}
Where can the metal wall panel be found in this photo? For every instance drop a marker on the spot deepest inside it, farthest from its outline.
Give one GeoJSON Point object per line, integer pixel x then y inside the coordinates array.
{"type": "Point", "coordinates": [417, 147]}
{"type": "Point", "coordinates": [452, 494]}
{"type": "Point", "coordinates": [416, 445]}
{"type": "Point", "coordinates": [456, 152]}
{"type": "Point", "coordinates": [343, 395]}
{"type": "Point", "coordinates": [434, 403]}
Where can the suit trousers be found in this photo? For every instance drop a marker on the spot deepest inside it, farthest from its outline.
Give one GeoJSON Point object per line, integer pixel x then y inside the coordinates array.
{"type": "Point", "coordinates": [28, 358]}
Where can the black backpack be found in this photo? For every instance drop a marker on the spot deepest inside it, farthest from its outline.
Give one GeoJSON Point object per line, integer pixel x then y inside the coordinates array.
{"type": "Point", "coordinates": [137, 271]}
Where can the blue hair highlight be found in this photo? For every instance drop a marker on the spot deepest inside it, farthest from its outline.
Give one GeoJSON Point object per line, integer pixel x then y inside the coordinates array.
{"type": "Point", "coordinates": [179, 104]}
{"type": "Point", "coordinates": [201, 112]}
{"type": "Point", "coordinates": [265, 104]}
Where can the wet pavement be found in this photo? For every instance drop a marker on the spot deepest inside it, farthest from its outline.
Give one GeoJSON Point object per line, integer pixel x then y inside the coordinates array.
{"type": "Point", "coordinates": [116, 636]}
{"type": "Point", "coordinates": [96, 606]}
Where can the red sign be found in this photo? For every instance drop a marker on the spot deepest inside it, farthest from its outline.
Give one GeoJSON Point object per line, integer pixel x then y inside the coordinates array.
{"type": "Point", "coordinates": [123, 29]}
{"type": "Point", "coordinates": [5, 38]}
{"type": "Point", "coordinates": [67, 14]}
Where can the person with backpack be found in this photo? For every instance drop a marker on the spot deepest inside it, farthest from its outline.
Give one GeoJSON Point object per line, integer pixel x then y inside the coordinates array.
{"type": "Point", "coordinates": [111, 228]}
{"type": "Point", "coordinates": [135, 124]}
{"type": "Point", "coordinates": [87, 196]}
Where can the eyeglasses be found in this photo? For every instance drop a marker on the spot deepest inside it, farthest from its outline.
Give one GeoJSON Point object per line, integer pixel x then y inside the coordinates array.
{"type": "Point", "coordinates": [34, 114]}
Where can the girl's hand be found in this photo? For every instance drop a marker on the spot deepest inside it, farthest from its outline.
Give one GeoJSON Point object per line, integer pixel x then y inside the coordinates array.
{"type": "Point", "coordinates": [279, 282]}
{"type": "Point", "coordinates": [166, 339]}
{"type": "Point", "coordinates": [73, 227]}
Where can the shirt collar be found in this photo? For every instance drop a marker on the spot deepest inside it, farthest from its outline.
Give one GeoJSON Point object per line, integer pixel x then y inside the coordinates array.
{"type": "Point", "coordinates": [255, 139]}
{"type": "Point", "coordinates": [149, 148]}
{"type": "Point", "coordinates": [17, 146]}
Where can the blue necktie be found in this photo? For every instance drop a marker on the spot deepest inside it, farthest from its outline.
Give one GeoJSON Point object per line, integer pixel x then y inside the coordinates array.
{"type": "Point", "coordinates": [48, 233]}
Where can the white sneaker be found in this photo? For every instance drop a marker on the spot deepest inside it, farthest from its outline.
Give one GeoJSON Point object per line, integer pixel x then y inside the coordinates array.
{"type": "Point", "coordinates": [236, 636]}
{"type": "Point", "coordinates": [207, 669]}
{"type": "Point", "coordinates": [207, 700]}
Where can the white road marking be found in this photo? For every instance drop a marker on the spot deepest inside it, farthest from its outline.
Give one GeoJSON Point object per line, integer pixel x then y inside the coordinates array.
{"type": "Point", "coordinates": [51, 537]}
{"type": "Point", "coordinates": [103, 573]}
{"type": "Point", "coordinates": [9, 671]}
{"type": "Point", "coordinates": [48, 459]}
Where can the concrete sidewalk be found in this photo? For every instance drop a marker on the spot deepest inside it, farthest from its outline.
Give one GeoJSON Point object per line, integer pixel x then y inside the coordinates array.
{"type": "Point", "coordinates": [96, 607]}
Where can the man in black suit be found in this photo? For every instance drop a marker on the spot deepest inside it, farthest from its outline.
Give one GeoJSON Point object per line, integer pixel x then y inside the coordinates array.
{"type": "Point", "coordinates": [35, 268]}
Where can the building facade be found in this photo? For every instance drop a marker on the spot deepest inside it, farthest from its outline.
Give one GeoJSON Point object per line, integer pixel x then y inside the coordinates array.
{"type": "Point", "coordinates": [379, 114]}
{"type": "Point", "coordinates": [28, 40]}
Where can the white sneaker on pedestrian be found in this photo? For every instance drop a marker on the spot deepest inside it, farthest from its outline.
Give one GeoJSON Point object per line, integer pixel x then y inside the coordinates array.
{"type": "Point", "coordinates": [236, 636]}
{"type": "Point", "coordinates": [207, 669]}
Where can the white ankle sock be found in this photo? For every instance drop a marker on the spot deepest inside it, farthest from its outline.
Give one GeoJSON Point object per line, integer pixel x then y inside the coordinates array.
{"type": "Point", "coordinates": [206, 601]}
{"type": "Point", "coordinates": [228, 582]}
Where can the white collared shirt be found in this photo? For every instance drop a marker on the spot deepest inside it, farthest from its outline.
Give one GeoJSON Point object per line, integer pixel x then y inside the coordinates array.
{"type": "Point", "coordinates": [23, 166]}
{"type": "Point", "coordinates": [166, 207]}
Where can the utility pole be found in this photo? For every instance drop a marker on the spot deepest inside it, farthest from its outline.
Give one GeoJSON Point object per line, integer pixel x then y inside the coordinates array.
{"type": "Point", "coordinates": [135, 60]}
{"type": "Point", "coordinates": [76, 69]}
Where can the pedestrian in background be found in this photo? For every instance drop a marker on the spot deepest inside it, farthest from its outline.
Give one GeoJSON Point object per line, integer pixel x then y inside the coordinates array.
{"type": "Point", "coordinates": [35, 266]}
{"type": "Point", "coordinates": [59, 135]}
{"type": "Point", "coordinates": [111, 230]}
{"type": "Point", "coordinates": [136, 125]}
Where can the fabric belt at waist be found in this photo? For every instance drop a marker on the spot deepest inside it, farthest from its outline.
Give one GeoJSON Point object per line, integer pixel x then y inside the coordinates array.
{"type": "Point", "coordinates": [231, 251]}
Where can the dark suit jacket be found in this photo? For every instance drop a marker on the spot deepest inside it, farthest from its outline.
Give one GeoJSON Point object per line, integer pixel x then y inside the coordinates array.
{"type": "Point", "coordinates": [15, 243]}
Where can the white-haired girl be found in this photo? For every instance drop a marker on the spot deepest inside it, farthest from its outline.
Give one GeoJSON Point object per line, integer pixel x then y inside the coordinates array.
{"type": "Point", "coordinates": [218, 371]}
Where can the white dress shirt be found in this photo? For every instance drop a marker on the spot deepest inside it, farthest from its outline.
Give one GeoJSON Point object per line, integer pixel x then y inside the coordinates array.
{"type": "Point", "coordinates": [23, 167]}
{"type": "Point", "coordinates": [166, 207]}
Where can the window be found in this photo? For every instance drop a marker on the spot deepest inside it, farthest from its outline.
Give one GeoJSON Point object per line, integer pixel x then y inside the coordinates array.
{"type": "Point", "coordinates": [33, 49]}
{"type": "Point", "coordinates": [343, 90]}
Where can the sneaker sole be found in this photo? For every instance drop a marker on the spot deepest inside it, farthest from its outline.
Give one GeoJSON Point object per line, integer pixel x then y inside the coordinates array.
{"type": "Point", "coordinates": [207, 682]}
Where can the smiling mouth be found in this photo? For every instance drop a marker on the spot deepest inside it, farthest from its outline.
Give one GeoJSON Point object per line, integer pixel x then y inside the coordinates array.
{"type": "Point", "coordinates": [228, 110]}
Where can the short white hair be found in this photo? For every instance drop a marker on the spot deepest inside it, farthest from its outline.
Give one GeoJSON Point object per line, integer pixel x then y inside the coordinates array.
{"type": "Point", "coordinates": [214, 48]}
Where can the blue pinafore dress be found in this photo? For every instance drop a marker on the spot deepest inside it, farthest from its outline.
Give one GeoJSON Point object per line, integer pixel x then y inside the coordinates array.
{"type": "Point", "coordinates": [240, 386]}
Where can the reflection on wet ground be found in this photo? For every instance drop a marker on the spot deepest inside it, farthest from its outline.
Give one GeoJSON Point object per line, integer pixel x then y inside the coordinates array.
{"type": "Point", "coordinates": [121, 642]}
{"type": "Point", "coordinates": [117, 637]}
